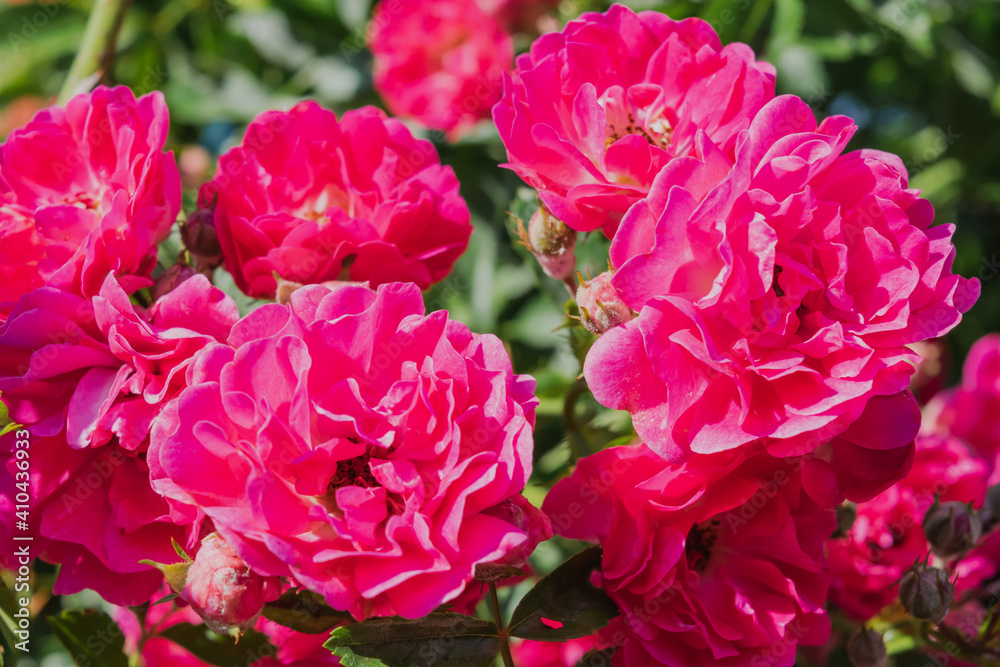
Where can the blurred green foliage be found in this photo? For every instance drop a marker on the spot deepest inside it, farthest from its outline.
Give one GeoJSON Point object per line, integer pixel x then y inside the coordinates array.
{"type": "Point", "coordinates": [921, 78]}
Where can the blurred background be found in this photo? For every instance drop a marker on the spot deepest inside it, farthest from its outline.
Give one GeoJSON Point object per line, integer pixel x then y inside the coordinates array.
{"type": "Point", "coordinates": [921, 78]}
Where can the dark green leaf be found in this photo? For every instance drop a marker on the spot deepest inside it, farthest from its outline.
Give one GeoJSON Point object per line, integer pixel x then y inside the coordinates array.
{"type": "Point", "coordinates": [565, 598]}
{"type": "Point", "coordinates": [305, 611]}
{"type": "Point", "coordinates": [91, 637]}
{"type": "Point", "coordinates": [597, 658]}
{"type": "Point", "coordinates": [438, 640]}
{"type": "Point", "coordinates": [220, 650]}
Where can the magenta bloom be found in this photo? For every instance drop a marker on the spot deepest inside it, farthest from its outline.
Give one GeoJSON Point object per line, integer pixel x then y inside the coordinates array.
{"type": "Point", "coordinates": [87, 378]}
{"type": "Point", "coordinates": [356, 445]}
{"type": "Point", "coordinates": [716, 561]}
{"type": "Point", "coordinates": [887, 536]}
{"type": "Point", "coordinates": [971, 411]}
{"type": "Point", "coordinates": [84, 191]}
{"type": "Point", "coordinates": [223, 590]}
{"type": "Point", "coordinates": [776, 297]}
{"type": "Point", "coordinates": [440, 63]}
{"type": "Point", "coordinates": [316, 199]}
{"type": "Point", "coordinates": [591, 114]}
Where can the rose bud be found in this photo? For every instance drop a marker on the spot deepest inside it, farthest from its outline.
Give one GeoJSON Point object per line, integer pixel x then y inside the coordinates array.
{"type": "Point", "coordinates": [601, 307]}
{"type": "Point", "coordinates": [866, 648]}
{"type": "Point", "coordinates": [170, 279]}
{"type": "Point", "coordinates": [551, 242]}
{"type": "Point", "coordinates": [926, 593]}
{"type": "Point", "coordinates": [952, 528]}
{"type": "Point", "coordinates": [223, 590]}
{"type": "Point", "coordinates": [201, 240]}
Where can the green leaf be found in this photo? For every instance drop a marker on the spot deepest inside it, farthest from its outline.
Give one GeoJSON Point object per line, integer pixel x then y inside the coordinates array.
{"type": "Point", "coordinates": [174, 573]}
{"type": "Point", "coordinates": [438, 640]}
{"type": "Point", "coordinates": [305, 611]}
{"type": "Point", "coordinates": [565, 598]}
{"type": "Point", "coordinates": [91, 637]}
{"type": "Point", "coordinates": [597, 658]}
{"type": "Point", "coordinates": [221, 650]}
{"type": "Point", "coordinates": [179, 550]}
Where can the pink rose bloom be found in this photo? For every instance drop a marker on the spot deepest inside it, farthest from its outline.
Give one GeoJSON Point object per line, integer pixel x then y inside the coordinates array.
{"type": "Point", "coordinates": [441, 63]}
{"type": "Point", "coordinates": [352, 443]}
{"type": "Point", "coordinates": [292, 649]}
{"type": "Point", "coordinates": [223, 590]}
{"type": "Point", "coordinates": [315, 199]}
{"type": "Point", "coordinates": [552, 654]}
{"type": "Point", "coordinates": [888, 536]}
{"type": "Point", "coordinates": [593, 113]}
{"type": "Point", "coordinates": [777, 296]}
{"type": "Point", "coordinates": [86, 378]}
{"type": "Point", "coordinates": [718, 561]}
{"type": "Point", "coordinates": [971, 411]}
{"type": "Point", "coordinates": [84, 191]}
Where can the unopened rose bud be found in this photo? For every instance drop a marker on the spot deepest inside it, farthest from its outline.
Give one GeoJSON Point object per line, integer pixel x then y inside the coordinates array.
{"type": "Point", "coordinates": [223, 590]}
{"type": "Point", "coordinates": [170, 279]}
{"type": "Point", "coordinates": [952, 528]}
{"type": "Point", "coordinates": [552, 243]}
{"type": "Point", "coordinates": [926, 593]}
{"type": "Point", "coordinates": [990, 513]}
{"type": "Point", "coordinates": [866, 648]}
{"type": "Point", "coordinates": [201, 240]}
{"type": "Point", "coordinates": [601, 307]}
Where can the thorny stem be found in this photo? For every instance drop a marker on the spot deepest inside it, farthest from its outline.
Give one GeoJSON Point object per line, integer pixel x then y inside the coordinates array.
{"type": "Point", "coordinates": [508, 660]}
{"type": "Point", "coordinates": [97, 50]}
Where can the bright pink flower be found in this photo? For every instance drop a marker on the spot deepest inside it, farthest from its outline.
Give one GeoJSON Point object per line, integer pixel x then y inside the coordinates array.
{"type": "Point", "coordinates": [440, 62]}
{"type": "Point", "coordinates": [87, 377]}
{"type": "Point", "coordinates": [317, 199]}
{"type": "Point", "coordinates": [223, 590]}
{"type": "Point", "coordinates": [888, 537]}
{"type": "Point", "coordinates": [715, 561]}
{"type": "Point", "coordinates": [353, 443]}
{"type": "Point", "coordinates": [591, 114]}
{"type": "Point", "coordinates": [777, 295]}
{"type": "Point", "coordinates": [552, 654]}
{"type": "Point", "coordinates": [83, 191]}
{"type": "Point", "coordinates": [971, 411]}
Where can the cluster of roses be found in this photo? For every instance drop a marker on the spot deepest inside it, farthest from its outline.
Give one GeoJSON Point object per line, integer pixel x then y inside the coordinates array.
{"type": "Point", "coordinates": [757, 322]}
{"type": "Point", "coordinates": [342, 440]}
{"type": "Point", "coordinates": [758, 319]}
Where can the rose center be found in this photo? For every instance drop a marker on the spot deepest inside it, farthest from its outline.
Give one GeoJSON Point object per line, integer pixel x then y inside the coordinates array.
{"type": "Point", "coordinates": [698, 546]}
{"type": "Point", "coordinates": [626, 115]}
{"type": "Point", "coordinates": [353, 472]}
